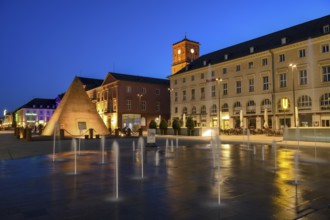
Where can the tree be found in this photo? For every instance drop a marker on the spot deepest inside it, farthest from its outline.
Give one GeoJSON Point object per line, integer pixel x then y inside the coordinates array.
{"type": "Point", "coordinates": [153, 124]}
{"type": "Point", "coordinates": [163, 126]}
{"type": "Point", "coordinates": [176, 126]}
{"type": "Point", "coordinates": [190, 124]}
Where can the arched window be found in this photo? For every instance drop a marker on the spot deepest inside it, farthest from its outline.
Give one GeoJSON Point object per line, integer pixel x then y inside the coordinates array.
{"type": "Point", "coordinates": [251, 107]}
{"type": "Point", "coordinates": [304, 102]}
{"type": "Point", "coordinates": [203, 110]}
{"type": "Point", "coordinates": [225, 108]}
{"type": "Point", "coordinates": [266, 103]}
{"type": "Point", "coordinates": [214, 109]}
{"type": "Point", "coordinates": [184, 110]}
{"type": "Point", "coordinates": [193, 110]}
{"type": "Point", "coordinates": [325, 101]}
{"type": "Point", "coordinates": [237, 108]}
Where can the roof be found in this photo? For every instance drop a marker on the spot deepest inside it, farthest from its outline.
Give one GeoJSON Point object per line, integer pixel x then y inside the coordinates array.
{"type": "Point", "coordinates": [38, 102]}
{"type": "Point", "coordinates": [294, 34]}
{"type": "Point", "coordinates": [143, 79]}
{"type": "Point", "coordinates": [186, 39]}
{"type": "Point", "coordinates": [90, 83]}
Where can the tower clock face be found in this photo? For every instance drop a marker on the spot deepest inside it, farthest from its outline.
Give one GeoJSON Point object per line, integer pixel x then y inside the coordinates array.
{"type": "Point", "coordinates": [192, 50]}
{"type": "Point", "coordinates": [179, 51]}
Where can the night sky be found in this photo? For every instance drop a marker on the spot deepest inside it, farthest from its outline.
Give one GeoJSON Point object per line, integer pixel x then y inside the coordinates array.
{"type": "Point", "coordinates": [45, 43]}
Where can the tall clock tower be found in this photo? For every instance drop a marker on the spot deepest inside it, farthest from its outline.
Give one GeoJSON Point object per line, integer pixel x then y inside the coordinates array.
{"type": "Point", "coordinates": [184, 52]}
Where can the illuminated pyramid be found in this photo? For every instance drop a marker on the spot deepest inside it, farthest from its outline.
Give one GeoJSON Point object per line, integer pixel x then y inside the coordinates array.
{"type": "Point", "coordinates": [76, 114]}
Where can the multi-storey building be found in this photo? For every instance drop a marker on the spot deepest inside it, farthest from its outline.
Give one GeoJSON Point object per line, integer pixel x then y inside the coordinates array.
{"type": "Point", "coordinates": [34, 113]}
{"type": "Point", "coordinates": [131, 101]}
{"type": "Point", "coordinates": [282, 77]}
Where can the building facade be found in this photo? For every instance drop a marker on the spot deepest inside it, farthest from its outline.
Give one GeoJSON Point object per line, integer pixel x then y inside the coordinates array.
{"type": "Point", "coordinates": [131, 101]}
{"type": "Point", "coordinates": [280, 78]}
{"type": "Point", "coordinates": [34, 113]}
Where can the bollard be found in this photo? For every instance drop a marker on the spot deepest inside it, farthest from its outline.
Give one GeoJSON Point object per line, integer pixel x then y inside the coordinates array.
{"type": "Point", "coordinates": [28, 134]}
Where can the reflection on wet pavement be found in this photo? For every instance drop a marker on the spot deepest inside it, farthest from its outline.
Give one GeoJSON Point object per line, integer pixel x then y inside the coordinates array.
{"type": "Point", "coordinates": [178, 184]}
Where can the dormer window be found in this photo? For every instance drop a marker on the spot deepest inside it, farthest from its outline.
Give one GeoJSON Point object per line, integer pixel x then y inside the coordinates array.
{"type": "Point", "coordinates": [283, 40]}
{"type": "Point", "coordinates": [226, 56]}
{"type": "Point", "coordinates": [204, 63]}
{"type": "Point", "coordinates": [326, 29]}
{"type": "Point", "coordinates": [251, 49]}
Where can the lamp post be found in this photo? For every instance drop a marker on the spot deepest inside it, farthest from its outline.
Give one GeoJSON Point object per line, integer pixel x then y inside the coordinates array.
{"type": "Point", "coordinates": [293, 94]}
{"type": "Point", "coordinates": [219, 80]}
{"type": "Point", "coordinates": [139, 105]}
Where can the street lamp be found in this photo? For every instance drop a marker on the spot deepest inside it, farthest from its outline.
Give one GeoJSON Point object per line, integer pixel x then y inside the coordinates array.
{"type": "Point", "coordinates": [293, 94]}
{"type": "Point", "coordinates": [219, 80]}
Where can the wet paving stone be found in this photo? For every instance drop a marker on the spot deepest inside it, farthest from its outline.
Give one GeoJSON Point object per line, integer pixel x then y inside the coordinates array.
{"type": "Point", "coordinates": [183, 184]}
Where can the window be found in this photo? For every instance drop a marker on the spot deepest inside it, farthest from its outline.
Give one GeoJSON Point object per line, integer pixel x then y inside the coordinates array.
{"type": "Point", "coordinates": [303, 77]}
{"type": "Point", "coordinates": [193, 94]}
{"type": "Point", "coordinates": [251, 85]}
{"type": "Point", "coordinates": [175, 82]}
{"type": "Point", "coordinates": [225, 56]}
{"type": "Point", "coordinates": [325, 101]}
{"type": "Point", "coordinates": [237, 107]}
{"type": "Point", "coordinates": [265, 83]}
{"type": "Point", "coordinates": [202, 75]}
{"type": "Point", "coordinates": [176, 109]}
{"type": "Point", "coordinates": [238, 68]}
{"type": "Point", "coordinates": [326, 29]}
{"type": "Point", "coordinates": [143, 105]}
{"type": "Point", "coordinates": [157, 91]}
{"type": "Point", "coordinates": [193, 110]}
{"type": "Point", "coordinates": [41, 106]}
{"type": "Point", "coordinates": [282, 80]}
{"type": "Point", "coordinates": [203, 110]}
{"type": "Point", "coordinates": [250, 65]}
{"type": "Point", "coordinates": [304, 102]}
{"type": "Point", "coordinates": [326, 73]}
{"type": "Point", "coordinates": [238, 87]}
{"type": "Point", "coordinates": [225, 89]}
{"type": "Point", "coordinates": [302, 53]}
{"type": "Point", "coordinates": [282, 57]}
{"type": "Point", "coordinates": [224, 71]}
{"type": "Point", "coordinates": [157, 106]}
{"type": "Point", "coordinates": [183, 80]}
{"type": "Point", "coordinates": [184, 110]}
{"type": "Point", "coordinates": [144, 90]}
{"type": "Point", "coordinates": [128, 104]}
{"type": "Point", "coordinates": [283, 40]}
{"type": "Point", "coordinates": [265, 62]}
{"type": "Point", "coordinates": [225, 108]}
{"type": "Point", "coordinates": [251, 49]}
{"type": "Point", "coordinates": [184, 95]}
{"type": "Point", "coordinates": [214, 109]}
{"type": "Point", "coordinates": [212, 74]}
{"type": "Point", "coordinates": [266, 104]}
{"type": "Point", "coordinates": [128, 89]}
{"type": "Point", "coordinates": [175, 96]}
{"type": "Point", "coordinates": [203, 93]}
{"type": "Point", "coordinates": [213, 91]}
{"type": "Point", "coordinates": [325, 48]}
{"type": "Point", "coordinates": [251, 107]}
{"type": "Point", "coordinates": [192, 78]}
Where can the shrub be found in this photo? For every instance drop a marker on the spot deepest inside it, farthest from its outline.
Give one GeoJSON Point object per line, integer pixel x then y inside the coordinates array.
{"type": "Point", "coordinates": [153, 124]}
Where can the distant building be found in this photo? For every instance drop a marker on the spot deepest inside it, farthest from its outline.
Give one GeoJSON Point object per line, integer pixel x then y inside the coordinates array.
{"type": "Point", "coordinates": [6, 120]}
{"type": "Point", "coordinates": [131, 101]}
{"type": "Point", "coordinates": [36, 112]}
{"type": "Point", "coordinates": [234, 86]}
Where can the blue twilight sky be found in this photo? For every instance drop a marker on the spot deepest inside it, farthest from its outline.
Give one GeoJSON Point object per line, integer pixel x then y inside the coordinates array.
{"type": "Point", "coordinates": [45, 43]}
